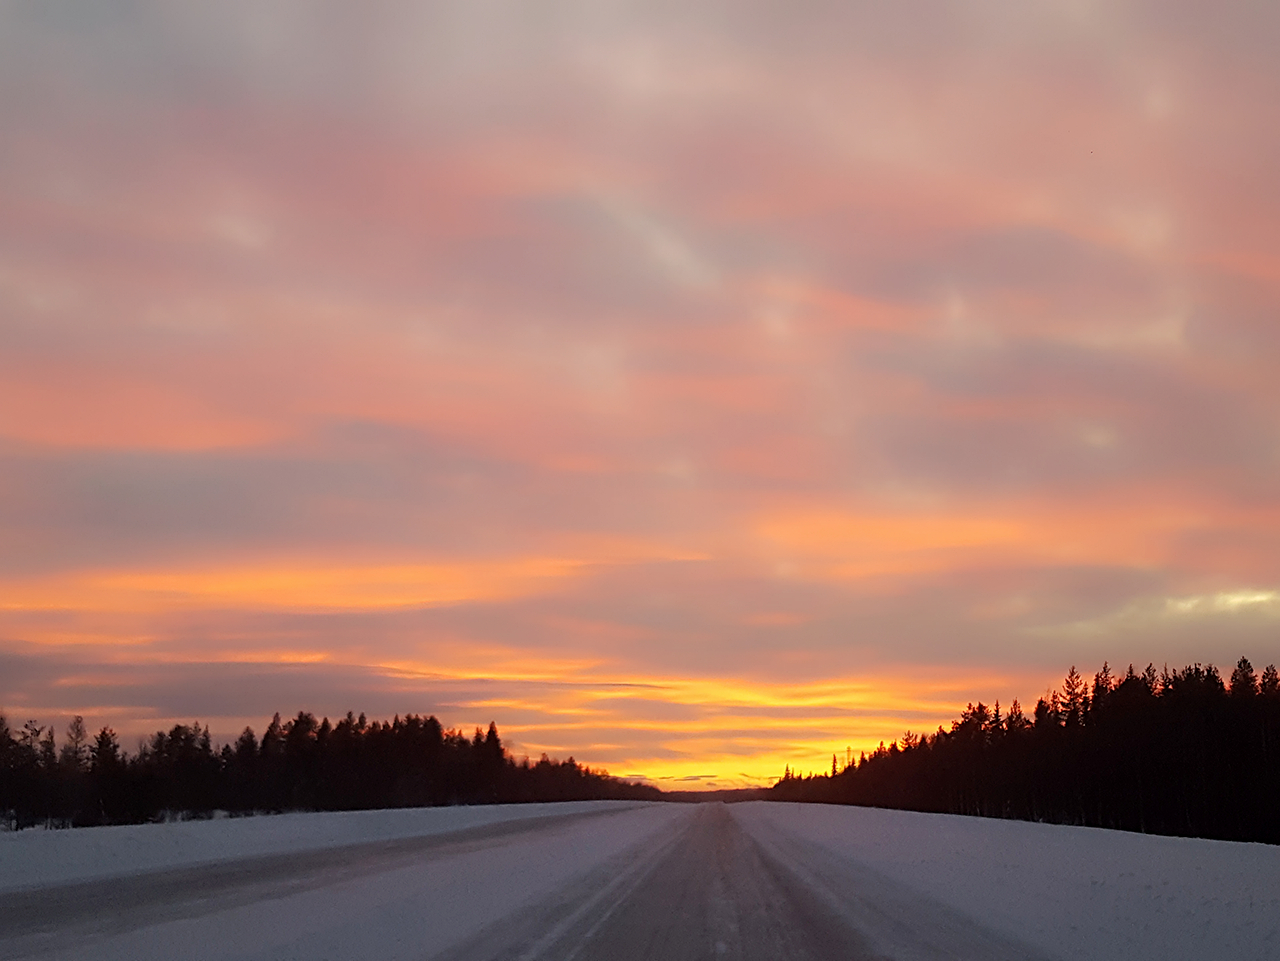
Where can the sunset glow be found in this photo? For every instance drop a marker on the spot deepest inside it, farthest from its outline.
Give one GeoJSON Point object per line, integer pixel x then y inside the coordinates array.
{"type": "Point", "coordinates": [695, 392]}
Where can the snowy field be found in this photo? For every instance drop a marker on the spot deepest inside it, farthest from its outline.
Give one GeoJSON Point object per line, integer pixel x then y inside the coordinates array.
{"type": "Point", "coordinates": [31, 859]}
{"type": "Point", "coordinates": [619, 880]}
{"type": "Point", "coordinates": [1073, 892]}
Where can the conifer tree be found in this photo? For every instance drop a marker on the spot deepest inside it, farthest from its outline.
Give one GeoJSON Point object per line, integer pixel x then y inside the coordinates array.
{"type": "Point", "coordinates": [1244, 682]}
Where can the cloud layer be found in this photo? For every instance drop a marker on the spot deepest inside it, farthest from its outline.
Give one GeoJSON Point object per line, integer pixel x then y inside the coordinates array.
{"type": "Point", "coordinates": [691, 391]}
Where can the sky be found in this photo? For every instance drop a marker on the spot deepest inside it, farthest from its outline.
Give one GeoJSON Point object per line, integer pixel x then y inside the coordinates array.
{"type": "Point", "coordinates": [693, 389]}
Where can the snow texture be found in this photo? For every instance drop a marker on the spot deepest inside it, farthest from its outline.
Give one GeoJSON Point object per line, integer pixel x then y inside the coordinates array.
{"type": "Point", "coordinates": [381, 910]}
{"type": "Point", "coordinates": [1063, 892]}
{"type": "Point", "coordinates": [1073, 892]}
{"type": "Point", "coordinates": [30, 859]}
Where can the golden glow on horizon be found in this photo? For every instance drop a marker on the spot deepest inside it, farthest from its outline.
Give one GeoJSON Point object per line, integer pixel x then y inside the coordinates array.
{"type": "Point", "coordinates": [741, 730]}
{"type": "Point", "coordinates": [616, 720]}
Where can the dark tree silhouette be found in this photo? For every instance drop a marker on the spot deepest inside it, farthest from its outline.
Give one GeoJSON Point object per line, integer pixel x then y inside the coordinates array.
{"type": "Point", "coordinates": [1164, 752]}
{"type": "Point", "coordinates": [300, 764]}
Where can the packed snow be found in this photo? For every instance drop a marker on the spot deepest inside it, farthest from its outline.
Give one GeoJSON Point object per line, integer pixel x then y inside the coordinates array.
{"type": "Point", "coordinates": [1073, 892]}
{"type": "Point", "coordinates": [914, 885]}
{"type": "Point", "coordinates": [372, 908]}
{"type": "Point", "coordinates": [36, 858]}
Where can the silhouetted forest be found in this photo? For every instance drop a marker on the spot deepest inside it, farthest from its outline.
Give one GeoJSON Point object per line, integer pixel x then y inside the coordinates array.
{"type": "Point", "coordinates": [1179, 753]}
{"type": "Point", "coordinates": [300, 765]}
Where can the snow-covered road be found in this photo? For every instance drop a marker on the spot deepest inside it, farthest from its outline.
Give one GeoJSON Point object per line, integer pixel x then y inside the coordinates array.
{"type": "Point", "coordinates": [622, 881]}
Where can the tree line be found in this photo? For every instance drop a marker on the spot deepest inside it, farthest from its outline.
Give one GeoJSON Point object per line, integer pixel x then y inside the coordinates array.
{"type": "Point", "coordinates": [1163, 752]}
{"type": "Point", "coordinates": [298, 765]}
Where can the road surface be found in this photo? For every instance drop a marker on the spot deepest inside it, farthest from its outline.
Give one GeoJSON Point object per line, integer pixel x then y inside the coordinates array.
{"type": "Point", "coordinates": [667, 882]}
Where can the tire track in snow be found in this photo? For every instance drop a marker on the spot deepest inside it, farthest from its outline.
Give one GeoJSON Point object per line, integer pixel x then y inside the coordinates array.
{"type": "Point", "coordinates": [667, 882]}
{"type": "Point", "coordinates": [717, 891]}
{"type": "Point", "coordinates": [34, 920]}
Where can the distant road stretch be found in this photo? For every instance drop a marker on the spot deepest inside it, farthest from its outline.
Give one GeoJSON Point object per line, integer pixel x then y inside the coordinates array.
{"type": "Point", "coordinates": [665, 882]}
{"type": "Point", "coordinates": [718, 889]}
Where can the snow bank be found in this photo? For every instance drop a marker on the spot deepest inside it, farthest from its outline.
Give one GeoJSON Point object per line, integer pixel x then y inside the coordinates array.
{"type": "Point", "coordinates": [1074, 892]}
{"type": "Point", "coordinates": [404, 910]}
{"type": "Point", "coordinates": [31, 859]}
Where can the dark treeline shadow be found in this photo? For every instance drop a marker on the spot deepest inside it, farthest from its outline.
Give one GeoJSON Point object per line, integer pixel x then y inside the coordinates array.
{"type": "Point", "coordinates": [1179, 753]}
{"type": "Point", "coordinates": [301, 765]}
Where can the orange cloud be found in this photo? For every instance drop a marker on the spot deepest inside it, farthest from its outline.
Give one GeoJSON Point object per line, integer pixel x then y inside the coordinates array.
{"type": "Point", "coordinates": [1139, 529]}
{"type": "Point", "coordinates": [312, 585]}
{"type": "Point", "coordinates": [306, 586]}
